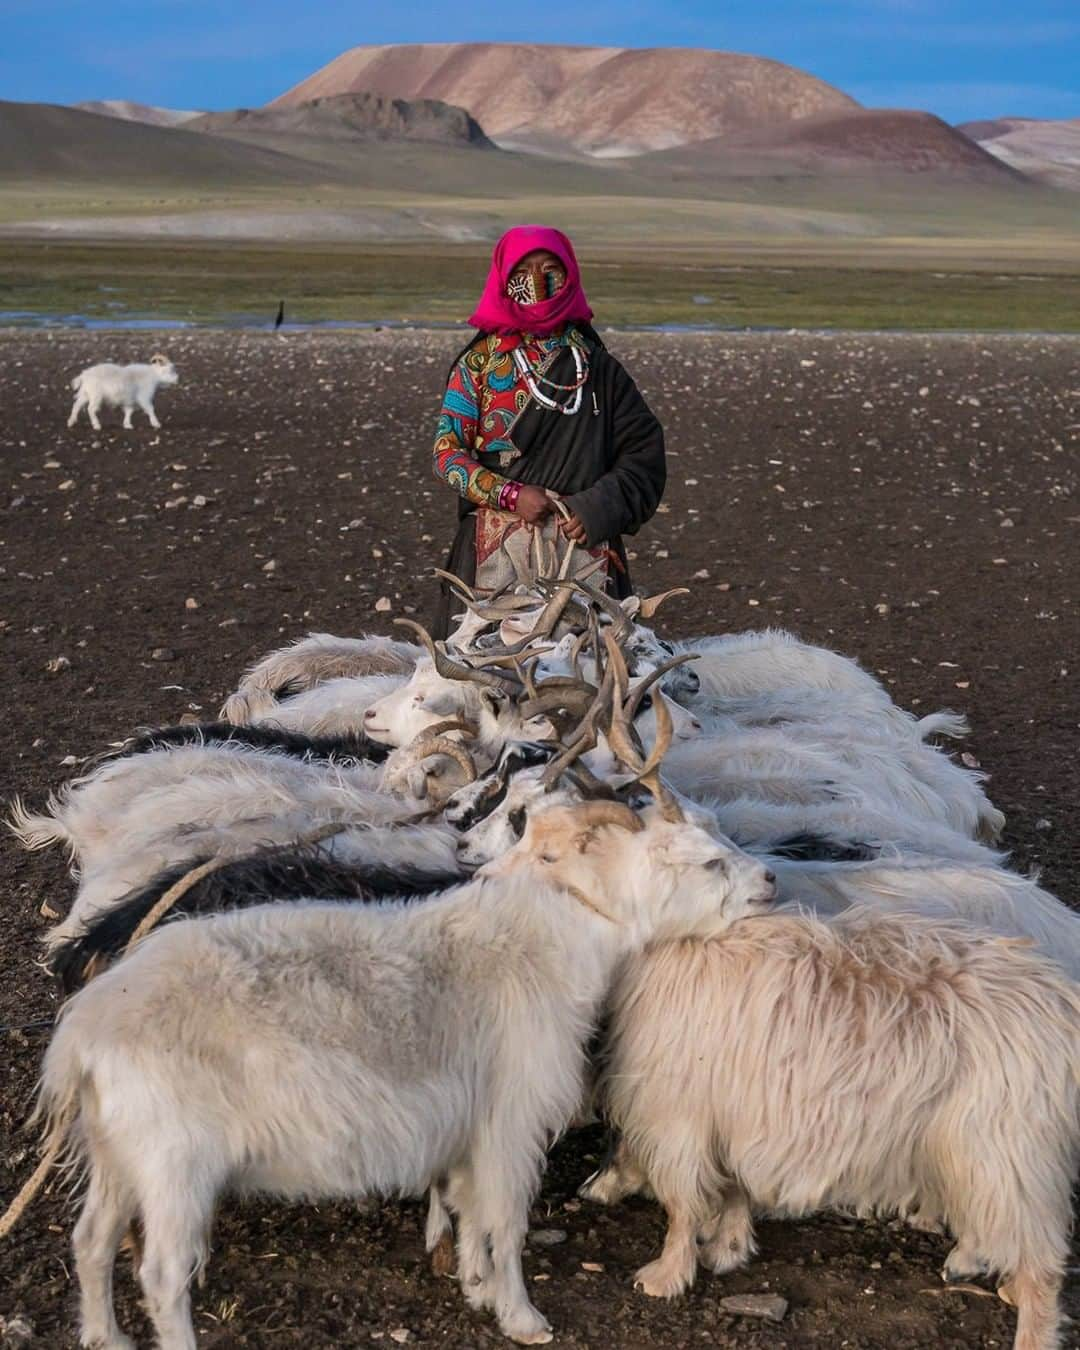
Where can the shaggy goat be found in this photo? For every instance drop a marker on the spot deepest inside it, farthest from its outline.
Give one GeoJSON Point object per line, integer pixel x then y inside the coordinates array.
{"type": "Point", "coordinates": [311, 661]}
{"type": "Point", "coordinates": [121, 387]}
{"type": "Point", "coordinates": [874, 1062]}
{"type": "Point", "coordinates": [339, 1050]}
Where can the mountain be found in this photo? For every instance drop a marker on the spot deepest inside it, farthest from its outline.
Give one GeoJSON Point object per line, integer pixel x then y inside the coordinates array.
{"type": "Point", "coordinates": [1046, 150]}
{"type": "Point", "coordinates": [602, 100]}
{"type": "Point", "coordinates": [362, 116]}
{"type": "Point", "coordinates": [47, 142]}
{"type": "Point", "coordinates": [136, 112]}
{"type": "Point", "coordinates": [869, 142]}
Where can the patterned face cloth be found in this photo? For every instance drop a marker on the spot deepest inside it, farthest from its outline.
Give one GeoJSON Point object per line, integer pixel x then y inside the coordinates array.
{"type": "Point", "coordinates": [536, 279]}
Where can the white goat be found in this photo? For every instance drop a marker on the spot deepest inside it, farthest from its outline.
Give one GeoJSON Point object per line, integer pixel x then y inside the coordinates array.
{"type": "Point", "coordinates": [339, 1050]}
{"type": "Point", "coordinates": [975, 890]}
{"type": "Point", "coordinates": [491, 813]}
{"type": "Point", "coordinates": [310, 661]}
{"type": "Point", "coordinates": [121, 387]}
{"type": "Point", "coordinates": [873, 1062]}
{"type": "Point", "coordinates": [333, 708]}
{"type": "Point", "coordinates": [133, 817]}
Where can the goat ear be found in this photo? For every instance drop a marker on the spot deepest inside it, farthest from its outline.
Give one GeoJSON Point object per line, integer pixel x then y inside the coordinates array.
{"type": "Point", "coordinates": [417, 780]}
{"type": "Point", "coordinates": [492, 699]}
{"type": "Point", "coordinates": [631, 604]}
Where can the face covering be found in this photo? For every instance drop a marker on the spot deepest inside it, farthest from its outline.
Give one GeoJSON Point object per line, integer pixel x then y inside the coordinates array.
{"type": "Point", "coordinates": [533, 282]}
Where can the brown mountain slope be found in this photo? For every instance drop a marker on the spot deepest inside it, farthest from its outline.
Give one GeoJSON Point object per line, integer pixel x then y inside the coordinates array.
{"type": "Point", "coordinates": [1046, 150]}
{"type": "Point", "coordinates": [606, 100]}
{"type": "Point", "coordinates": [363, 116]}
{"type": "Point", "coordinates": [43, 141]}
{"type": "Point", "coordinates": [866, 141]}
{"type": "Point", "coordinates": [136, 112]}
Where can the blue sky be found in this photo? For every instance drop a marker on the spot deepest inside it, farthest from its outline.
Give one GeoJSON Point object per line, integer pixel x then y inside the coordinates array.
{"type": "Point", "coordinates": [959, 58]}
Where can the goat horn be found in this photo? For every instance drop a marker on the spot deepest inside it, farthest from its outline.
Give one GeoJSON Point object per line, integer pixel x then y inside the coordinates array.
{"type": "Point", "coordinates": [453, 670]}
{"type": "Point", "coordinates": [669, 806]}
{"type": "Point", "coordinates": [664, 734]}
{"type": "Point", "coordinates": [587, 782]}
{"type": "Point", "coordinates": [649, 607]}
{"type": "Point", "coordinates": [504, 658]}
{"type": "Point", "coordinates": [649, 773]}
{"type": "Point", "coordinates": [552, 612]}
{"type": "Point", "coordinates": [642, 688]}
{"type": "Point", "coordinates": [610, 813]}
{"type": "Point", "coordinates": [564, 570]}
{"type": "Point", "coordinates": [425, 745]}
{"type": "Point", "coordinates": [574, 700]}
{"type": "Point", "coordinates": [584, 738]}
{"type": "Point", "coordinates": [455, 582]}
{"type": "Point", "coordinates": [611, 607]}
{"type": "Point", "coordinates": [451, 724]}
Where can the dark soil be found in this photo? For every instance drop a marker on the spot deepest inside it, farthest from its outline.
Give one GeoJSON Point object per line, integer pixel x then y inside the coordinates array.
{"type": "Point", "coordinates": [910, 501]}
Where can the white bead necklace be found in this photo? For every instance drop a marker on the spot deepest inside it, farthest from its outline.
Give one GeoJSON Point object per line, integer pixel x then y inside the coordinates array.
{"type": "Point", "coordinates": [581, 374]}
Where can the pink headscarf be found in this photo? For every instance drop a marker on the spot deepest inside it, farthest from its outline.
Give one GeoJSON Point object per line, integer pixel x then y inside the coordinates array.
{"type": "Point", "coordinates": [497, 313]}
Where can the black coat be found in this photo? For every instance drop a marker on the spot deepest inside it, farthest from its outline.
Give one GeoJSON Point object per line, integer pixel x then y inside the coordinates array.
{"type": "Point", "coordinates": [607, 462]}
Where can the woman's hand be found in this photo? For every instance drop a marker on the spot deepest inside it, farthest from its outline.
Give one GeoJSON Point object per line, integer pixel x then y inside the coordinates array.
{"type": "Point", "coordinates": [573, 529]}
{"type": "Point", "coordinates": [533, 504]}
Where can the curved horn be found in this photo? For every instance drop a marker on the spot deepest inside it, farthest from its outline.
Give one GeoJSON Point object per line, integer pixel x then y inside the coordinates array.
{"type": "Point", "coordinates": [609, 813]}
{"type": "Point", "coordinates": [451, 724]}
{"type": "Point", "coordinates": [585, 736]}
{"type": "Point", "coordinates": [649, 606]}
{"type": "Point", "coordinates": [641, 689]}
{"type": "Point", "coordinates": [456, 582]}
{"type": "Point", "coordinates": [453, 670]}
{"type": "Point", "coordinates": [424, 746]}
{"type": "Point", "coordinates": [649, 773]}
{"type": "Point", "coordinates": [574, 700]}
{"type": "Point", "coordinates": [611, 607]}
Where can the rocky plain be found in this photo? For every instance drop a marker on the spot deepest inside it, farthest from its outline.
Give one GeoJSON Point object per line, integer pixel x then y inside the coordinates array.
{"type": "Point", "coordinates": [912, 501]}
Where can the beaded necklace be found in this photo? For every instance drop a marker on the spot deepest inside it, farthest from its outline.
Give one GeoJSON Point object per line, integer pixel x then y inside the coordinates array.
{"type": "Point", "coordinates": [532, 377]}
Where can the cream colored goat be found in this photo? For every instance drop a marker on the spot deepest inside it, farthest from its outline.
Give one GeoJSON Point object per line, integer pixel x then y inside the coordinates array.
{"type": "Point", "coordinates": [874, 1062]}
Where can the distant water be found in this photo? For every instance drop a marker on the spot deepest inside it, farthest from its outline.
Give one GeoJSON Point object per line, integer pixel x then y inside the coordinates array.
{"type": "Point", "coordinates": [255, 323]}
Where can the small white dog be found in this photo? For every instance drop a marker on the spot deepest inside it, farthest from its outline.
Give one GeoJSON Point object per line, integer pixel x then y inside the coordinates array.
{"type": "Point", "coordinates": [121, 387]}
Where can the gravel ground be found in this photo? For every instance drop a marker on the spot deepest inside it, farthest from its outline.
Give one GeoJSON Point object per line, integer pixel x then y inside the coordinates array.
{"type": "Point", "coordinates": [911, 501]}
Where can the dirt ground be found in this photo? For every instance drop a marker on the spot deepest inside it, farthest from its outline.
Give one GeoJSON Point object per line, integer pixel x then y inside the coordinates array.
{"type": "Point", "coordinates": [911, 501]}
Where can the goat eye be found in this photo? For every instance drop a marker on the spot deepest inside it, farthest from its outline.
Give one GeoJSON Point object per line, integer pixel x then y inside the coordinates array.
{"type": "Point", "coordinates": [548, 858]}
{"type": "Point", "coordinates": [646, 702]}
{"type": "Point", "coordinates": [517, 821]}
{"type": "Point", "coordinates": [717, 865]}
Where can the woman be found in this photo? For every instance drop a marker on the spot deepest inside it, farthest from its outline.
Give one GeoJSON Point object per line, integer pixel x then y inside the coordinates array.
{"type": "Point", "coordinates": [537, 409]}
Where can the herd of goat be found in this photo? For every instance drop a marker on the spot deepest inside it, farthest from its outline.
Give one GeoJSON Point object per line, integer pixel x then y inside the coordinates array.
{"type": "Point", "coordinates": [817, 983]}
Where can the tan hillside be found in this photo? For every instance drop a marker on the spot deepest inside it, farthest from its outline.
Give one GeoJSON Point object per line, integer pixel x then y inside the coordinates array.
{"type": "Point", "coordinates": [605, 100]}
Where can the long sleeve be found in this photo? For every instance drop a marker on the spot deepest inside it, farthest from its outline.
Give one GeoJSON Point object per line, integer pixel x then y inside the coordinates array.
{"type": "Point", "coordinates": [625, 497]}
{"type": "Point", "coordinates": [455, 435]}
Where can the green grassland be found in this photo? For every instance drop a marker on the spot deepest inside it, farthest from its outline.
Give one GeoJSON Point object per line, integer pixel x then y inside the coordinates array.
{"type": "Point", "coordinates": [785, 284]}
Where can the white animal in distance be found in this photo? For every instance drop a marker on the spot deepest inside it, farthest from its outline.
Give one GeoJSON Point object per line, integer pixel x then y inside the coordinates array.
{"type": "Point", "coordinates": [124, 387]}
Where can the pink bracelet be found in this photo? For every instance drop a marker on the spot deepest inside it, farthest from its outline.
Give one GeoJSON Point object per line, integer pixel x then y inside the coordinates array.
{"type": "Point", "coordinates": [508, 496]}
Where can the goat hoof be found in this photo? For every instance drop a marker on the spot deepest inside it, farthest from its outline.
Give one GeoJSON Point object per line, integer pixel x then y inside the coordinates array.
{"type": "Point", "coordinates": [442, 1256]}
{"type": "Point", "coordinates": [658, 1282]}
{"type": "Point", "coordinates": [963, 1267]}
{"type": "Point", "coordinates": [722, 1258]}
{"type": "Point", "coordinates": [600, 1187]}
{"type": "Point", "coordinates": [529, 1328]}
